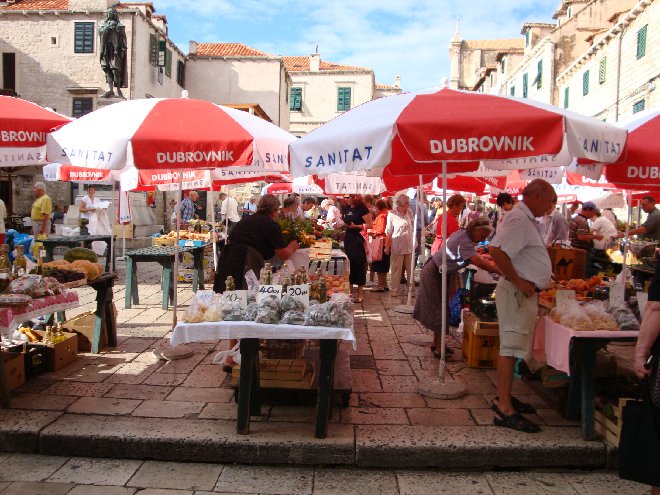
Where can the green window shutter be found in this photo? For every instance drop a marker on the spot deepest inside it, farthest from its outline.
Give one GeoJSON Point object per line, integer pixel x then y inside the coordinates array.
{"type": "Point", "coordinates": [180, 73]}
{"type": "Point", "coordinates": [82, 106]}
{"type": "Point", "coordinates": [585, 83]}
{"type": "Point", "coordinates": [641, 42]}
{"type": "Point", "coordinates": [639, 106]}
{"type": "Point", "coordinates": [539, 74]}
{"type": "Point", "coordinates": [602, 70]}
{"type": "Point", "coordinates": [525, 85]}
{"type": "Point", "coordinates": [168, 63]}
{"type": "Point", "coordinates": [153, 49]}
{"type": "Point", "coordinates": [83, 37]}
{"type": "Point", "coordinates": [503, 64]}
{"type": "Point", "coordinates": [566, 97]}
{"type": "Point", "coordinates": [343, 99]}
{"type": "Point", "coordinates": [527, 38]}
{"type": "Point", "coordinates": [295, 99]}
{"type": "Point", "coordinates": [512, 91]}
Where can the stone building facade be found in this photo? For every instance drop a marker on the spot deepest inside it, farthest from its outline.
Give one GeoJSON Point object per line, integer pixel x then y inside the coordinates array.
{"type": "Point", "coordinates": [599, 58]}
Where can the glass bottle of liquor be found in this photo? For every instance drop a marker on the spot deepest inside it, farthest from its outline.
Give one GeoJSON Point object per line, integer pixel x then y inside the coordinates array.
{"type": "Point", "coordinates": [5, 267]}
{"type": "Point", "coordinates": [20, 264]}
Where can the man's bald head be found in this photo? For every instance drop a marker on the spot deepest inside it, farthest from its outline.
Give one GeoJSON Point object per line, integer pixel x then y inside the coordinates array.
{"type": "Point", "coordinates": [538, 196]}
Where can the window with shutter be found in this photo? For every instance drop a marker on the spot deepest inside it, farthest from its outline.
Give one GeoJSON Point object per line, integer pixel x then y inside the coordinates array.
{"type": "Point", "coordinates": [641, 42]}
{"type": "Point", "coordinates": [602, 70]}
{"type": "Point", "coordinates": [566, 97]}
{"type": "Point", "coordinates": [343, 99]}
{"type": "Point", "coordinates": [525, 85]}
{"type": "Point", "coordinates": [639, 106]}
{"type": "Point", "coordinates": [83, 37]}
{"type": "Point", "coordinates": [153, 49]}
{"type": "Point", "coordinates": [168, 63]}
{"type": "Point", "coordinates": [512, 91]}
{"type": "Point", "coordinates": [82, 106]}
{"type": "Point", "coordinates": [585, 83]}
{"type": "Point", "coordinates": [539, 74]}
{"type": "Point", "coordinates": [503, 64]}
{"type": "Point", "coordinates": [295, 100]}
{"type": "Point", "coordinates": [180, 73]}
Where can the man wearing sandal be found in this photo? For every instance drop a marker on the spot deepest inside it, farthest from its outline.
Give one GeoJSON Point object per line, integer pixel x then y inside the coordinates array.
{"type": "Point", "coordinates": [520, 253]}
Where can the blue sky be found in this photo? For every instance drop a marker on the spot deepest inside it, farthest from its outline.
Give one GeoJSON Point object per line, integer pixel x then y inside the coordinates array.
{"type": "Point", "coordinates": [405, 37]}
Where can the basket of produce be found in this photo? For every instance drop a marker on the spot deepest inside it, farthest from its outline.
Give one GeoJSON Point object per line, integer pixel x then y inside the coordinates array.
{"type": "Point", "coordinates": [163, 241]}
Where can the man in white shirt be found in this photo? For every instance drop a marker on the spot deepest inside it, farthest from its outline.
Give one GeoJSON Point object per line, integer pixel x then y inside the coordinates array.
{"type": "Point", "coordinates": [522, 257]}
{"type": "Point", "coordinates": [556, 225]}
{"type": "Point", "coordinates": [250, 207]}
{"type": "Point", "coordinates": [229, 211]}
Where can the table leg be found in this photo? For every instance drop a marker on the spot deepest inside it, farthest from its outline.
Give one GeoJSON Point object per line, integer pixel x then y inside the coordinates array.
{"type": "Point", "coordinates": [167, 285]}
{"type": "Point", "coordinates": [198, 271]}
{"type": "Point", "coordinates": [128, 290]}
{"type": "Point", "coordinates": [134, 289]}
{"type": "Point", "coordinates": [587, 385]}
{"type": "Point", "coordinates": [103, 316]}
{"type": "Point", "coordinates": [4, 388]}
{"type": "Point", "coordinates": [248, 387]}
{"type": "Point", "coordinates": [50, 250]}
{"type": "Point", "coordinates": [327, 354]}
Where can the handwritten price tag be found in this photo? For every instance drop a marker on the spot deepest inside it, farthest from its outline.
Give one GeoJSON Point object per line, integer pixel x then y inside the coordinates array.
{"type": "Point", "coordinates": [565, 299]}
{"type": "Point", "coordinates": [267, 291]}
{"type": "Point", "coordinates": [239, 296]}
{"type": "Point", "coordinates": [300, 293]}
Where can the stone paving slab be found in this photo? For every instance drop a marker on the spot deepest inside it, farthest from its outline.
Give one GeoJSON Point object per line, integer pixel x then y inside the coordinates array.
{"type": "Point", "coordinates": [181, 410]}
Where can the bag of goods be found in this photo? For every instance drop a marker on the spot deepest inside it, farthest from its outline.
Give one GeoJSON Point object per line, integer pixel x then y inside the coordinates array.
{"type": "Point", "coordinates": [576, 318]}
{"type": "Point", "coordinates": [293, 318]}
{"type": "Point", "coordinates": [343, 300]}
{"type": "Point", "coordinates": [625, 319]}
{"type": "Point", "coordinates": [329, 314]}
{"type": "Point", "coordinates": [600, 318]}
{"type": "Point", "coordinates": [289, 303]}
{"type": "Point", "coordinates": [213, 313]}
{"type": "Point", "coordinates": [79, 253]}
{"type": "Point", "coordinates": [232, 311]}
{"type": "Point", "coordinates": [251, 311]}
{"type": "Point", "coordinates": [195, 312]}
{"type": "Point", "coordinates": [35, 286]}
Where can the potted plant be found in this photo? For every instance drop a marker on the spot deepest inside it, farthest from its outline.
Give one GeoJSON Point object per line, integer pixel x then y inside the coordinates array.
{"type": "Point", "coordinates": [83, 226]}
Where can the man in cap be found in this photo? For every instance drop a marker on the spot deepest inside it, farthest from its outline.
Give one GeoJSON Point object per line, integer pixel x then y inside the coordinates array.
{"type": "Point", "coordinates": [651, 227]}
{"type": "Point", "coordinates": [579, 233]}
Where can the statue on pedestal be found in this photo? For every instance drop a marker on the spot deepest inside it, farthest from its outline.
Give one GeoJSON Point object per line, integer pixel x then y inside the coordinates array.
{"type": "Point", "coordinates": [113, 49]}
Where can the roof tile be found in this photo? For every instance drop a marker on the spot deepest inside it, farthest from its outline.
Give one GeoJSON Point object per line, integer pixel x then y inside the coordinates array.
{"type": "Point", "coordinates": [301, 64]}
{"type": "Point", "coordinates": [495, 44]}
{"type": "Point", "coordinates": [37, 5]}
{"type": "Point", "coordinates": [228, 50]}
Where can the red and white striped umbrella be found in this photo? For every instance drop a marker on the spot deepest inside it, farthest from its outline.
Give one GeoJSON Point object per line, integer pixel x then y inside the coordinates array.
{"type": "Point", "coordinates": [23, 130]}
{"type": "Point", "coordinates": [415, 133]}
{"type": "Point", "coordinates": [171, 133]}
{"type": "Point", "coordinates": [639, 167]}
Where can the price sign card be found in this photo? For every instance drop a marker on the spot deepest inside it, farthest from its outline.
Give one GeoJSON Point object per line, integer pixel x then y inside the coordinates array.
{"type": "Point", "coordinates": [239, 296]}
{"type": "Point", "coordinates": [565, 299]}
{"type": "Point", "coordinates": [300, 293]}
{"type": "Point", "coordinates": [268, 290]}
{"type": "Point", "coordinates": [617, 295]}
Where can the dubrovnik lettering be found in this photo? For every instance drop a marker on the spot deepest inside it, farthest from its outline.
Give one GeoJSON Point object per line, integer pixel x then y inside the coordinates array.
{"type": "Point", "coordinates": [166, 177]}
{"type": "Point", "coordinates": [195, 156]}
{"type": "Point", "coordinates": [23, 137]}
{"type": "Point", "coordinates": [485, 143]}
{"type": "Point", "coordinates": [88, 174]}
{"type": "Point", "coordinates": [340, 157]}
{"type": "Point", "coordinates": [95, 155]}
{"type": "Point", "coordinates": [643, 172]}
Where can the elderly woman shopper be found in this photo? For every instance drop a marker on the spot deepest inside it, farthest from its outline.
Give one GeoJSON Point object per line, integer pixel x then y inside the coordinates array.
{"type": "Point", "coordinates": [382, 266]}
{"type": "Point", "coordinates": [253, 240]}
{"type": "Point", "coordinates": [333, 216]}
{"type": "Point", "coordinates": [398, 243]}
{"type": "Point", "coordinates": [461, 251]}
{"type": "Point", "coordinates": [454, 208]}
{"type": "Point", "coordinates": [356, 217]}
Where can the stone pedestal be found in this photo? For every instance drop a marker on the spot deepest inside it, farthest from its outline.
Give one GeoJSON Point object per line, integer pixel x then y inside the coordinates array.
{"type": "Point", "coordinates": [104, 102]}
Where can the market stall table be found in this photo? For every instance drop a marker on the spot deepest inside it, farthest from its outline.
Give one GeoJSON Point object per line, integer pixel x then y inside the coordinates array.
{"type": "Point", "coordinates": [249, 333]}
{"type": "Point", "coordinates": [164, 255]}
{"type": "Point", "coordinates": [73, 241]}
{"type": "Point", "coordinates": [574, 353]}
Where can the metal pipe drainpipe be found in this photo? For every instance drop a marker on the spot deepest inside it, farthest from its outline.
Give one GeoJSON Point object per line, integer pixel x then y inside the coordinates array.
{"type": "Point", "coordinates": [132, 83]}
{"type": "Point", "coordinates": [618, 75]}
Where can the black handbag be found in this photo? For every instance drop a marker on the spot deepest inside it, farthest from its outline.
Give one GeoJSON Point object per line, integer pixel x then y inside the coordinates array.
{"type": "Point", "coordinates": [639, 445]}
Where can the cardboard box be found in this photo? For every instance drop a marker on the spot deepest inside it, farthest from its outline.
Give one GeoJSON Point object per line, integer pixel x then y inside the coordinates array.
{"type": "Point", "coordinates": [62, 353]}
{"type": "Point", "coordinates": [83, 326]}
{"type": "Point", "coordinates": [14, 369]}
{"type": "Point", "coordinates": [123, 231]}
{"type": "Point", "coordinates": [567, 263]}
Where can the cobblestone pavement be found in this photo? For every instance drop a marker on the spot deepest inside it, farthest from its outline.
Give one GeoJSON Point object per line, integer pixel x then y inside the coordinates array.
{"type": "Point", "coordinates": [126, 391]}
{"type": "Point", "coordinates": [22, 474]}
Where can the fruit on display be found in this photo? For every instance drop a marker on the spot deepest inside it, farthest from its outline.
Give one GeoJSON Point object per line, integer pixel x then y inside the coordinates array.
{"type": "Point", "coordinates": [88, 270]}
{"type": "Point", "coordinates": [79, 253]}
{"type": "Point", "coordinates": [63, 275]}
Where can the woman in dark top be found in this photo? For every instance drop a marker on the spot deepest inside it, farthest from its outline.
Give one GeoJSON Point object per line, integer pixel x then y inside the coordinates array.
{"type": "Point", "coordinates": [356, 217]}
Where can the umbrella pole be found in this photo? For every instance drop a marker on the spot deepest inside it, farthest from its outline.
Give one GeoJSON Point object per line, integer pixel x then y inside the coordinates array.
{"type": "Point", "coordinates": [175, 275]}
{"type": "Point", "coordinates": [214, 234]}
{"type": "Point", "coordinates": [112, 237]}
{"type": "Point", "coordinates": [408, 308]}
{"type": "Point", "coordinates": [442, 389]}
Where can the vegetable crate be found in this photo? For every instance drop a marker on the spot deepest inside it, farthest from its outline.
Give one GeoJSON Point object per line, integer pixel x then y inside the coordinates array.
{"type": "Point", "coordinates": [281, 373]}
{"type": "Point", "coordinates": [14, 369]}
{"type": "Point", "coordinates": [321, 250]}
{"type": "Point", "coordinates": [609, 427]}
{"type": "Point", "coordinates": [481, 341]}
{"type": "Point", "coordinates": [282, 348]}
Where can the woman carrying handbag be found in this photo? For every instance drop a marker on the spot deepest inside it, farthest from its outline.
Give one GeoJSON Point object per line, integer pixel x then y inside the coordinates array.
{"type": "Point", "coordinates": [639, 448]}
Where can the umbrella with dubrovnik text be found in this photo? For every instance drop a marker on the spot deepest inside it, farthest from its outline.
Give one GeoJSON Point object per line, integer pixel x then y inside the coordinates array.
{"type": "Point", "coordinates": [170, 133]}
{"type": "Point", "coordinates": [23, 130]}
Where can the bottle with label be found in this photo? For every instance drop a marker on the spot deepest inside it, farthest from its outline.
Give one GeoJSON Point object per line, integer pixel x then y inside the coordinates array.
{"type": "Point", "coordinates": [20, 263]}
{"type": "Point", "coordinates": [5, 267]}
{"type": "Point", "coordinates": [230, 285]}
{"type": "Point", "coordinates": [323, 291]}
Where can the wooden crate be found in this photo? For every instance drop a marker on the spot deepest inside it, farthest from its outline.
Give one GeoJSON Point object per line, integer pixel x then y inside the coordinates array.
{"type": "Point", "coordinates": [610, 429]}
{"type": "Point", "coordinates": [282, 348]}
{"type": "Point", "coordinates": [568, 263]}
{"type": "Point", "coordinates": [122, 231]}
{"type": "Point", "coordinates": [281, 373]}
{"type": "Point", "coordinates": [14, 364]}
{"type": "Point", "coordinates": [481, 341]}
{"type": "Point", "coordinates": [321, 250]}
